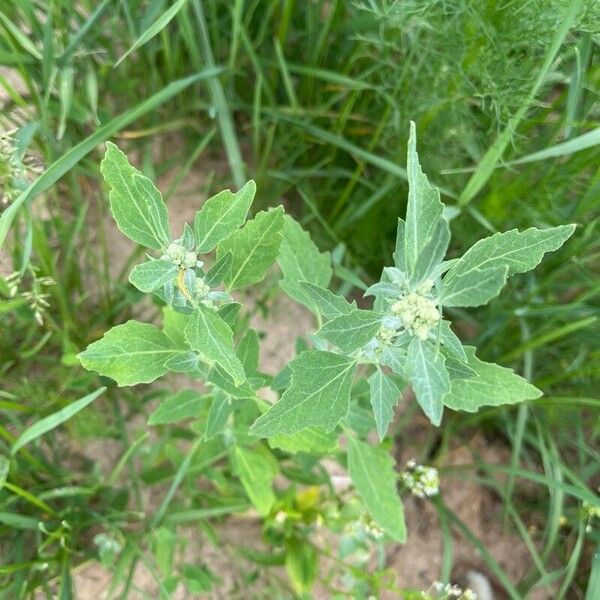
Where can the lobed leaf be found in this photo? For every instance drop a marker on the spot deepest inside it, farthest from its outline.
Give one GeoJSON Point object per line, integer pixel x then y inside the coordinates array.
{"type": "Point", "coordinates": [254, 248]}
{"type": "Point", "coordinates": [221, 216]}
{"type": "Point", "coordinates": [318, 396]}
{"type": "Point", "coordinates": [136, 205]}
{"type": "Point", "coordinates": [212, 339]}
{"type": "Point", "coordinates": [372, 472]}
{"type": "Point", "coordinates": [385, 394]}
{"type": "Point", "coordinates": [426, 370]}
{"type": "Point", "coordinates": [493, 385]}
{"type": "Point", "coordinates": [330, 305]}
{"type": "Point", "coordinates": [301, 261]}
{"type": "Point", "coordinates": [131, 353]}
{"type": "Point", "coordinates": [152, 275]}
{"type": "Point", "coordinates": [351, 331]}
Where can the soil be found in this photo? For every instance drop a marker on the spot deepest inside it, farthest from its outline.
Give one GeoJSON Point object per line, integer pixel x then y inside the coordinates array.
{"type": "Point", "coordinates": [416, 564]}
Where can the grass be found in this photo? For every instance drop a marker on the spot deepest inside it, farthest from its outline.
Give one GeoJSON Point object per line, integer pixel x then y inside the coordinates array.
{"type": "Point", "coordinates": [311, 99]}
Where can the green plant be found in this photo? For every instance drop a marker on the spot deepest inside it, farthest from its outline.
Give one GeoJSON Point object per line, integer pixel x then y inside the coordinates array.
{"type": "Point", "coordinates": [402, 339]}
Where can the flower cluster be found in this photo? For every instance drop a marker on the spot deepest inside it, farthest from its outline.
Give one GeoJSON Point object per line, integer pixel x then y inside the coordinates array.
{"type": "Point", "coordinates": [418, 313]}
{"type": "Point", "coordinates": [35, 297]}
{"type": "Point", "coordinates": [441, 591]}
{"type": "Point", "coordinates": [422, 481]}
{"type": "Point", "coordinates": [179, 255]}
{"type": "Point", "coordinates": [15, 168]}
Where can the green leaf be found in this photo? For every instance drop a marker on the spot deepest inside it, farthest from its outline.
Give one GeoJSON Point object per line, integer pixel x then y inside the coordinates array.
{"type": "Point", "coordinates": [248, 351]}
{"type": "Point", "coordinates": [426, 370]}
{"type": "Point", "coordinates": [326, 302]}
{"type": "Point", "coordinates": [399, 253]}
{"type": "Point", "coordinates": [219, 412]}
{"type": "Point", "coordinates": [451, 342]}
{"type": "Point", "coordinates": [217, 273]}
{"type": "Point", "coordinates": [301, 261]}
{"type": "Point", "coordinates": [182, 405]}
{"type": "Point", "coordinates": [372, 471]}
{"type": "Point", "coordinates": [130, 354]}
{"type": "Point", "coordinates": [432, 253]}
{"type": "Point", "coordinates": [318, 396]}
{"type": "Point", "coordinates": [54, 420]}
{"type": "Point", "coordinates": [394, 357]}
{"type": "Point", "coordinates": [212, 338]}
{"type": "Point", "coordinates": [137, 206]}
{"type": "Point", "coordinates": [222, 215]}
{"type": "Point", "coordinates": [311, 441]}
{"type": "Point", "coordinates": [256, 472]}
{"type": "Point", "coordinates": [351, 331]}
{"type": "Point", "coordinates": [254, 248]}
{"type": "Point", "coordinates": [424, 209]}
{"type": "Point", "coordinates": [301, 564]}
{"type": "Point", "coordinates": [493, 386]}
{"type": "Point", "coordinates": [474, 288]}
{"type": "Point", "coordinates": [516, 252]}
{"type": "Point", "coordinates": [385, 393]}
{"type": "Point", "coordinates": [221, 380]}
{"type": "Point", "coordinates": [153, 274]}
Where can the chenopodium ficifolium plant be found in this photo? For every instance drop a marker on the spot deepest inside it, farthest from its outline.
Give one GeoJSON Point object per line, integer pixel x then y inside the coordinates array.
{"type": "Point", "coordinates": [357, 357]}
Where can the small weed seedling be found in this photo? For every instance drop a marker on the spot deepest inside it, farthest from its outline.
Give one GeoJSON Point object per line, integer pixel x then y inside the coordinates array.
{"type": "Point", "coordinates": [355, 354]}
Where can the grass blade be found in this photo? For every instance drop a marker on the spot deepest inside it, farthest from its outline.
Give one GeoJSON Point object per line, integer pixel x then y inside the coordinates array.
{"type": "Point", "coordinates": [54, 420]}
{"type": "Point", "coordinates": [154, 29]}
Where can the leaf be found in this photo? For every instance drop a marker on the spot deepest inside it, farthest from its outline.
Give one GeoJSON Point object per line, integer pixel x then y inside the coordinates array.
{"type": "Point", "coordinates": [424, 209]}
{"type": "Point", "coordinates": [312, 441]}
{"type": "Point", "coordinates": [301, 261]}
{"type": "Point", "coordinates": [48, 423]}
{"type": "Point", "coordinates": [131, 353]}
{"type": "Point", "coordinates": [136, 205]}
{"type": "Point", "coordinates": [254, 248]}
{"type": "Point", "coordinates": [221, 380]}
{"type": "Point", "coordinates": [153, 274]}
{"type": "Point", "coordinates": [219, 412]}
{"type": "Point", "coordinates": [318, 396]}
{"type": "Point", "coordinates": [301, 564]}
{"type": "Point", "coordinates": [493, 386]}
{"type": "Point", "coordinates": [351, 331]}
{"type": "Point", "coordinates": [474, 288]}
{"type": "Point", "coordinates": [222, 215]}
{"type": "Point", "coordinates": [385, 393]}
{"type": "Point", "coordinates": [432, 253]}
{"type": "Point", "coordinates": [256, 473]}
{"type": "Point", "coordinates": [516, 251]}
{"type": "Point", "coordinates": [326, 302]}
{"type": "Point", "coordinates": [399, 254]}
{"type": "Point", "coordinates": [248, 351]}
{"type": "Point", "coordinates": [182, 405]}
{"type": "Point", "coordinates": [426, 370]}
{"type": "Point", "coordinates": [372, 472]}
{"type": "Point", "coordinates": [394, 357]}
{"type": "Point", "coordinates": [185, 362]}
{"type": "Point", "coordinates": [212, 338]}
{"type": "Point", "coordinates": [451, 342]}
{"type": "Point", "coordinates": [217, 273]}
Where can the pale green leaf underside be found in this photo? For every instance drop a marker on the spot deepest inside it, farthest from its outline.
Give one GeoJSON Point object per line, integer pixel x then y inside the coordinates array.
{"type": "Point", "coordinates": [212, 339]}
{"type": "Point", "coordinates": [493, 386]}
{"type": "Point", "coordinates": [137, 206]}
{"type": "Point", "coordinates": [372, 472]}
{"type": "Point", "coordinates": [513, 251]}
{"type": "Point", "coordinates": [424, 208]}
{"type": "Point", "coordinates": [152, 275]}
{"type": "Point", "coordinates": [254, 248]}
{"type": "Point", "coordinates": [385, 393]}
{"type": "Point", "coordinates": [131, 353]}
{"type": "Point", "coordinates": [330, 305]}
{"type": "Point", "coordinates": [318, 396]}
{"type": "Point", "coordinates": [426, 370]}
{"type": "Point", "coordinates": [182, 405]}
{"type": "Point", "coordinates": [351, 331]}
{"type": "Point", "coordinates": [301, 261]}
{"type": "Point", "coordinates": [256, 473]}
{"type": "Point", "coordinates": [222, 215]}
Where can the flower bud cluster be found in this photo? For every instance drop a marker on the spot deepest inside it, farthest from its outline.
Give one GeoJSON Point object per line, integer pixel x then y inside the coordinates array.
{"type": "Point", "coordinates": [441, 591]}
{"type": "Point", "coordinates": [15, 170]}
{"type": "Point", "coordinates": [422, 481]}
{"type": "Point", "coordinates": [419, 314]}
{"type": "Point", "coordinates": [179, 255]}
